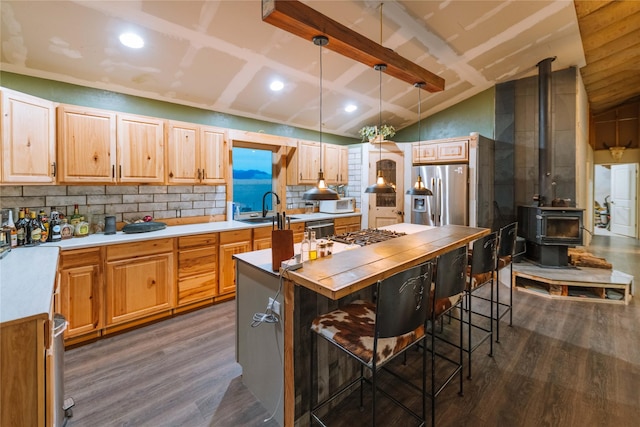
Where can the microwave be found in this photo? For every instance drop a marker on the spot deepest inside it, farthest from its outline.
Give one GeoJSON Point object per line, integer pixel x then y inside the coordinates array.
{"type": "Point", "coordinates": [344, 205]}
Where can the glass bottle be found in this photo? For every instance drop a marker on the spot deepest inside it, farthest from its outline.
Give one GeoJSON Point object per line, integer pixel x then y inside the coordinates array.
{"type": "Point", "coordinates": [305, 246]}
{"type": "Point", "coordinates": [313, 246]}
{"type": "Point", "coordinates": [54, 226]}
{"type": "Point", "coordinates": [21, 228]}
{"type": "Point", "coordinates": [81, 229]}
{"type": "Point", "coordinates": [44, 222]}
{"type": "Point", "coordinates": [66, 229]}
{"type": "Point", "coordinates": [12, 229]}
{"type": "Point", "coordinates": [34, 230]}
{"type": "Point", "coordinates": [75, 218]}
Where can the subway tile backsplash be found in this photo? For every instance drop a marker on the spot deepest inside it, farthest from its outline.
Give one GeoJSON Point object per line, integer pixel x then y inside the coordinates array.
{"type": "Point", "coordinates": [126, 203]}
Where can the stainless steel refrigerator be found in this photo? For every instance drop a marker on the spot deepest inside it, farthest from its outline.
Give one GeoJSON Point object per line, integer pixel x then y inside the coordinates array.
{"type": "Point", "coordinates": [449, 203]}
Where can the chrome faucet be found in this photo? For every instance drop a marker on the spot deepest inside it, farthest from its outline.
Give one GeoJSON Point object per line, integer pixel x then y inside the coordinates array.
{"type": "Point", "coordinates": [264, 202]}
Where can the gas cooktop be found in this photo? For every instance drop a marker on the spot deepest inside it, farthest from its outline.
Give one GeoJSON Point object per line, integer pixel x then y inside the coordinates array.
{"type": "Point", "coordinates": [367, 236]}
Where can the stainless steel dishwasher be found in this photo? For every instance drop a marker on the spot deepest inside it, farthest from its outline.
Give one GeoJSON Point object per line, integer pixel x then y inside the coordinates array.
{"type": "Point", "coordinates": [322, 227]}
{"type": "Point", "coordinates": [61, 406]}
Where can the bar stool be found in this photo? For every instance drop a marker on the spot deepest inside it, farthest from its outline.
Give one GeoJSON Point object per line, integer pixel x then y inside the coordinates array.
{"type": "Point", "coordinates": [506, 251]}
{"type": "Point", "coordinates": [375, 333]}
{"type": "Point", "coordinates": [447, 294]}
{"type": "Point", "coordinates": [480, 272]}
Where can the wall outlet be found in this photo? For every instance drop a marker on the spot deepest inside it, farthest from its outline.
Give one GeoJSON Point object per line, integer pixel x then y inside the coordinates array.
{"type": "Point", "coordinates": [274, 306]}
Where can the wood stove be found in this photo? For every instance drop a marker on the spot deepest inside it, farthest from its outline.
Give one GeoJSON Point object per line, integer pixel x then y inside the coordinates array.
{"type": "Point", "coordinates": [549, 231]}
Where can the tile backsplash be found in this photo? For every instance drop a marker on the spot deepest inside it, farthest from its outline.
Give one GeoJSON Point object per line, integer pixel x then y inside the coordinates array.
{"type": "Point", "coordinates": [126, 203]}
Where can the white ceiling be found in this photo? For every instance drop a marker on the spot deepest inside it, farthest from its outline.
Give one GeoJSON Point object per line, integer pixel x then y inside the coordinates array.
{"type": "Point", "coordinates": [220, 55]}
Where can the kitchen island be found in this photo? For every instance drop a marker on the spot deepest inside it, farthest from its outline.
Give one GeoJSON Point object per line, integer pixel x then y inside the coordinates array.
{"type": "Point", "coordinates": [275, 356]}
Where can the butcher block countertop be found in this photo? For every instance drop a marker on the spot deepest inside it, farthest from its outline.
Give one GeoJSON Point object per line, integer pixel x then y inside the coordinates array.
{"type": "Point", "coordinates": [349, 271]}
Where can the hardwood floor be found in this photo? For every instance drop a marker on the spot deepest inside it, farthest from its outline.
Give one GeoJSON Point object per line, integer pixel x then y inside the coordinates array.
{"type": "Point", "coordinates": [563, 363]}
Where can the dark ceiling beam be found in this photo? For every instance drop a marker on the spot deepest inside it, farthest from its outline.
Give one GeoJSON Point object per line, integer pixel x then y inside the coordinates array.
{"type": "Point", "coordinates": [301, 20]}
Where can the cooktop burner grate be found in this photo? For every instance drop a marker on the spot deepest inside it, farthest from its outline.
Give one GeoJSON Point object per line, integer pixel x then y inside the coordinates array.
{"type": "Point", "coordinates": [367, 236]}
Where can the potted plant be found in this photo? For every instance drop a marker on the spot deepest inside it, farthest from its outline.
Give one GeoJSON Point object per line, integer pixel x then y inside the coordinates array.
{"type": "Point", "coordinates": [372, 134]}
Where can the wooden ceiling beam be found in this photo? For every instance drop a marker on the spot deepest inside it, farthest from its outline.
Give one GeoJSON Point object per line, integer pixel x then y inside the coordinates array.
{"type": "Point", "coordinates": [303, 21]}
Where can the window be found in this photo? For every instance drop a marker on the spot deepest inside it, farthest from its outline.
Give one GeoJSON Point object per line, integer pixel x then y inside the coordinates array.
{"type": "Point", "coordinates": [252, 177]}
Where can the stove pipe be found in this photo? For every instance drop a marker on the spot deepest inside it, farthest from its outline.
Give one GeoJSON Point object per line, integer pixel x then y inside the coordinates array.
{"type": "Point", "coordinates": [545, 150]}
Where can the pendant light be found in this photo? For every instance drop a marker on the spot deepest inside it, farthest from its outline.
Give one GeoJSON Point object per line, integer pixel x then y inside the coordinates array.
{"type": "Point", "coordinates": [381, 186]}
{"type": "Point", "coordinates": [418, 188]}
{"type": "Point", "coordinates": [321, 191]}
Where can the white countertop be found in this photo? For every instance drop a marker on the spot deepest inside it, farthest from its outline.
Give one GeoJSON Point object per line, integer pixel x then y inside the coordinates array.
{"type": "Point", "coordinates": [27, 278]}
{"type": "Point", "coordinates": [176, 231]}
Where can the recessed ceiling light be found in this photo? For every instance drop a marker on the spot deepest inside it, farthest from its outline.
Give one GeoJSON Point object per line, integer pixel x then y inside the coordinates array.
{"type": "Point", "coordinates": [350, 108]}
{"type": "Point", "coordinates": [131, 40]}
{"type": "Point", "coordinates": [276, 85]}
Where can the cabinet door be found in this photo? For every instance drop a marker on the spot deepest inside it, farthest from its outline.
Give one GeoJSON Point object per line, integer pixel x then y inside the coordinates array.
{"type": "Point", "coordinates": [331, 163]}
{"type": "Point", "coordinates": [231, 243]}
{"type": "Point", "coordinates": [212, 155]}
{"type": "Point", "coordinates": [86, 145]}
{"type": "Point", "coordinates": [140, 149]}
{"type": "Point", "coordinates": [423, 153]}
{"type": "Point", "coordinates": [343, 162]}
{"type": "Point", "coordinates": [28, 139]}
{"type": "Point", "coordinates": [81, 302]}
{"type": "Point", "coordinates": [452, 151]}
{"type": "Point", "coordinates": [182, 153]}
{"type": "Point", "coordinates": [139, 287]}
{"type": "Point", "coordinates": [304, 164]}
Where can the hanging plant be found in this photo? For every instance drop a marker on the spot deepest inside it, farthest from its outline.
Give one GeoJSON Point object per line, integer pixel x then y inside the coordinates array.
{"type": "Point", "coordinates": [370, 133]}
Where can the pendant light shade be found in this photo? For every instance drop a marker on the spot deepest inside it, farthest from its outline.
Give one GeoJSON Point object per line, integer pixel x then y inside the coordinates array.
{"type": "Point", "coordinates": [381, 186]}
{"type": "Point", "coordinates": [321, 191]}
{"type": "Point", "coordinates": [418, 188]}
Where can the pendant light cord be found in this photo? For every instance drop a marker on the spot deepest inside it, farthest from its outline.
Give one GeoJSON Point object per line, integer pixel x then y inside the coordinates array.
{"type": "Point", "coordinates": [320, 107]}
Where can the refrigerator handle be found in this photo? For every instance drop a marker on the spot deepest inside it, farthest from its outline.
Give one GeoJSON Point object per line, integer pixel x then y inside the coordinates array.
{"type": "Point", "coordinates": [435, 205]}
{"type": "Point", "coordinates": [439, 201]}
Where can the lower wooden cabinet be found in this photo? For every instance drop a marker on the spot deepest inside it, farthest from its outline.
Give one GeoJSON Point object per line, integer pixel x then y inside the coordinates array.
{"type": "Point", "coordinates": [347, 224]}
{"type": "Point", "coordinates": [231, 243]}
{"type": "Point", "coordinates": [81, 291]}
{"type": "Point", "coordinates": [261, 238]}
{"type": "Point", "coordinates": [139, 280]}
{"type": "Point", "coordinates": [197, 268]}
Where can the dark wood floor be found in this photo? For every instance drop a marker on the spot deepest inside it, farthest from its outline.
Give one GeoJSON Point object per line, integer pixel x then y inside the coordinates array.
{"type": "Point", "coordinates": [562, 363]}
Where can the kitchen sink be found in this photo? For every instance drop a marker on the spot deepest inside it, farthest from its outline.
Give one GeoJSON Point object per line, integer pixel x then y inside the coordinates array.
{"type": "Point", "coordinates": [261, 220]}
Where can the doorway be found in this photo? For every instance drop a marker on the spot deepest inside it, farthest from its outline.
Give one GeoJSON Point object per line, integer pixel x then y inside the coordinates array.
{"type": "Point", "coordinates": [615, 199]}
{"type": "Point", "coordinates": [386, 209]}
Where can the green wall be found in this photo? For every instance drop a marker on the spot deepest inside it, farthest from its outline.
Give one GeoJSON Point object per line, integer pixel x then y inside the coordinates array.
{"type": "Point", "coordinates": [476, 114]}
{"type": "Point", "coordinates": [96, 98]}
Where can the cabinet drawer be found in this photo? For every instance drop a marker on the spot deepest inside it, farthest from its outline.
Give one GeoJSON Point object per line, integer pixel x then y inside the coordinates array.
{"type": "Point", "coordinates": [262, 232]}
{"type": "Point", "coordinates": [80, 257]}
{"type": "Point", "coordinates": [235, 236]}
{"type": "Point", "coordinates": [138, 249]}
{"type": "Point", "coordinates": [197, 288]}
{"type": "Point", "coordinates": [200, 240]}
{"type": "Point", "coordinates": [350, 220]}
{"type": "Point", "coordinates": [197, 261]}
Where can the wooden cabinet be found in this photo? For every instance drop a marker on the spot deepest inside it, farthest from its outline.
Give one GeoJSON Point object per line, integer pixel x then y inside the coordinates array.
{"type": "Point", "coordinates": [86, 145]}
{"type": "Point", "coordinates": [261, 238]}
{"type": "Point", "coordinates": [197, 268]}
{"type": "Point", "coordinates": [298, 232]}
{"type": "Point", "coordinates": [617, 127]}
{"type": "Point", "coordinates": [91, 151]}
{"type": "Point", "coordinates": [335, 163]}
{"type": "Point", "coordinates": [140, 149]}
{"type": "Point", "coordinates": [347, 224]}
{"type": "Point", "coordinates": [196, 154]}
{"type": "Point", "coordinates": [303, 164]}
{"type": "Point", "coordinates": [139, 280]}
{"type": "Point", "coordinates": [231, 243]}
{"type": "Point", "coordinates": [441, 151]}
{"type": "Point", "coordinates": [28, 139]}
{"type": "Point", "coordinates": [81, 292]}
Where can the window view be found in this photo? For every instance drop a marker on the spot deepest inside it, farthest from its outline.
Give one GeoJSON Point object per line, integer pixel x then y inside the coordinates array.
{"type": "Point", "coordinates": [252, 173]}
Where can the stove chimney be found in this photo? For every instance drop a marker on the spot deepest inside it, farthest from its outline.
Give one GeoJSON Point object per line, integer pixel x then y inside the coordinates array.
{"type": "Point", "coordinates": [545, 150]}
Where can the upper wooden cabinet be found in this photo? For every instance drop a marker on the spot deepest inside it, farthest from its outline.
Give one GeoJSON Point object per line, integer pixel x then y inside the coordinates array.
{"type": "Point", "coordinates": [28, 139]}
{"type": "Point", "coordinates": [441, 151]}
{"type": "Point", "coordinates": [140, 155]}
{"type": "Point", "coordinates": [196, 154]}
{"type": "Point", "coordinates": [91, 151]}
{"type": "Point", "coordinates": [303, 163]}
{"type": "Point", "coordinates": [335, 163]}
{"type": "Point", "coordinates": [617, 127]}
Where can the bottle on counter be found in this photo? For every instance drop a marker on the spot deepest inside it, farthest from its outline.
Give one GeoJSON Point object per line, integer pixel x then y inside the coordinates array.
{"type": "Point", "coordinates": [66, 229]}
{"type": "Point", "coordinates": [21, 228]}
{"type": "Point", "coordinates": [34, 230]}
{"type": "Point", "coordinates": [55, 226]}
{"type": "Point", "coordinates": [75, 218]}
{"type": "Point", "coordinates": [12, 229]}
{"type": "Point", "coordinates": [305, 246]}
{"type": "Point", "coordinates": [81, 229]}
{"type": "Point", "coordinates": [313, 246]}
{"type": "Point", "coordinates": [44, 222]}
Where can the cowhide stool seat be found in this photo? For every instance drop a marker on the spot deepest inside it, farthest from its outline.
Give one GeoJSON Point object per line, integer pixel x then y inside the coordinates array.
{"type": "Point", "coordinates": [375, 333]}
